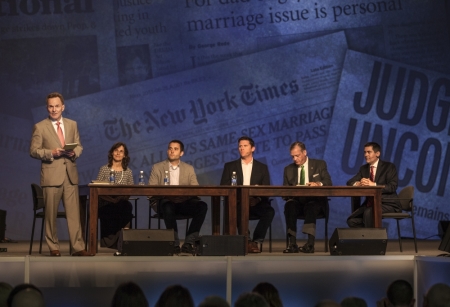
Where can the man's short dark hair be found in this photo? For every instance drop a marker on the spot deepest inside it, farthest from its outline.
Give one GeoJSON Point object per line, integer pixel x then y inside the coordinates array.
{"type": "Point", "coordinates": [375, 146]}
{"type": "Point", "coordinates": [178, 142]}
{"type": "Point", "coordinates": [54, 95]}
{"type": "Point", "coordinates": [299, 144]}
{"type": "Point", "coordinates": [246, 138]}
{"type": "Point", "coordinates": [400, 293]}
{"type": "Point", "coordinates": [251, 299]}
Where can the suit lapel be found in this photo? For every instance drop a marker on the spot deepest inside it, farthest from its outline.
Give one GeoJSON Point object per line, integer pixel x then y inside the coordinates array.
{"type": "Point", "coordinates": [295, 173]}
{"type": "Point", "coordinates": [240, 175]}
{"type": "Point", "coordinates": [379, 170]}
{"type": "Point", "coordinates": [51, 131]}
{"type": "Point", "coordinates": [255, 172]}
{"type": "Point", "coordinates": [311, 171]}
{"type": "Point", "coordinates": [67, 131]}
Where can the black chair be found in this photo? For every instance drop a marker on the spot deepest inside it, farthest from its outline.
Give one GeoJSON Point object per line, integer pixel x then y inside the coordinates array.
{"type": "Point", "coordinates": [135, 199]}
{"type": "Point", "coordinates": [39, 212]}
{"type": "Point", "coordinates": [322, 215]}
{"type": "Point", "coordinates": [406, 197]}
{"type": "Point", "coordinates": [134, 216]}
{"type": "Point", "coordinates": [159, 217]}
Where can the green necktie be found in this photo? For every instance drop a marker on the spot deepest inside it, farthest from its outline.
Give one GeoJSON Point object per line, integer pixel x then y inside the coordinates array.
{"type": "Point", "coordinates": [302, 176]}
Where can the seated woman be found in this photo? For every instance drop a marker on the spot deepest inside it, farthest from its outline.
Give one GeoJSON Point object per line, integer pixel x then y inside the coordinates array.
{"type": "Point", "coordinates": [114, 212]}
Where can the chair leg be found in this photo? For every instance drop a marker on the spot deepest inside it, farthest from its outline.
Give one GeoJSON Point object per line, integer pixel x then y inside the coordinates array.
{"type": "Point", "coordinates": [270, 238]}
{"type": "Point", "coordinates": [135, 215]}
{"type": "Point", "coordinates": [42, 232]}
{"type": "Point", "coordinates": [414, 233]}
{"type": "Point", "coordinates": [187, 226]}
{"type": "Point", "coordinates": [150, 217]}
{"type": "Point", "coordinates": [32, 235]}
{"type": "Point", "coordinates": [399, 236]}
{"type": "Point", "coordinates": [326, 235]}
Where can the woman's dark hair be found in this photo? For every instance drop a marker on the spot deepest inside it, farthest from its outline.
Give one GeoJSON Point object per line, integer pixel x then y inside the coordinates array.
{"type": "Point", "coordinates": [129, 294]}
{"type": "Point", "coordinates": [126, 158]}
{"type": "Point", "coordinates": [270, 293]}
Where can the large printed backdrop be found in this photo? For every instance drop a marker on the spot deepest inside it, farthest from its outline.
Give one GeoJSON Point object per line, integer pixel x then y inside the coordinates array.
{"type": "Point", "coordinates": [333, 74]}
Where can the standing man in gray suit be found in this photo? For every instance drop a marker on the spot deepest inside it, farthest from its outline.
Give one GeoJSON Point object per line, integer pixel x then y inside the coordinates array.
{"type": "Point", "coordinates": [310, 172]}
{"type": "Point", "coordinates": [180, 173]}
{"type": "Point", "coordinates": [59, 174]}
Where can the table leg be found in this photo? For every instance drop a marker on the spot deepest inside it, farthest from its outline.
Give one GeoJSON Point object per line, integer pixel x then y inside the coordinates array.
{"type": "Point", "coordinates": [232, 217]}
{"type": "Point", "coordinates": [215, 215]}
{"type": "Point", "coordinates": [93, 216]}
{"type": "Point", "coordinates": [83, 204]}
{"type": "Point", "coordinates": [245, 215]}
{"type": "Point", "coordinates": [377, 212]}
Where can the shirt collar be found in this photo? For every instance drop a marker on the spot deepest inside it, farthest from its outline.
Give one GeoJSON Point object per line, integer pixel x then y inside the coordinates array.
{"type": "Point", "coordinates": [242, 162]}
{"type": "Point", "coordinates": [375, 164]}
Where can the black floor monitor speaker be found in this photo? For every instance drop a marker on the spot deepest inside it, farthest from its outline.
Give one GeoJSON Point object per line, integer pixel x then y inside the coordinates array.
{"type": "Point", "coordinates": [227, 245]}
{"type": "Point", "coordinates": [445, 242]}
{"type": "Point", "coordinates": [2, 224]}
{"type": "Point", "coordinates": [146, 242]}
{"type": "Point", "coordinates": [358, 241]}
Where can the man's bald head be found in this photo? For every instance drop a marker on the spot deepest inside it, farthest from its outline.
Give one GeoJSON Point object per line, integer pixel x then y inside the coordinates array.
{"type": "Point", "coordinates": [26, 295]}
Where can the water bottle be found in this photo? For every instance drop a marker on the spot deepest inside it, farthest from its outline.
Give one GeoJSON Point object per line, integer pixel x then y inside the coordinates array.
{"type": "Point", "coordinates": [112, 176]}
{"type": "Point", "coordinates": [141, 178]}
{"type": "Point", "coordinates": [166, 178]}
{"type": "Point", "coordinates": [233, 178]}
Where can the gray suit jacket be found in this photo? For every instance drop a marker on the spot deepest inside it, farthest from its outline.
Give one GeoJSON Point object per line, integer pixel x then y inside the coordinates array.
{"type": "Point", "coordinates": [187, 177]}
{"type": "Point", "coordinates": [187, 173]}
{"type": "Point", "coordinates": [44, 140]}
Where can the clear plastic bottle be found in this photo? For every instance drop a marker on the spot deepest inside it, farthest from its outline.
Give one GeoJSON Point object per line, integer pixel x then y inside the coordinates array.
{"type": "Point", "coordinates": [112, 176]}
{"type": "Point", "coordinates": [141, 178]}
{"type": "Point", "coordinates": [166, 178]}
{"type": "Point", "coordinates": [233, 178]}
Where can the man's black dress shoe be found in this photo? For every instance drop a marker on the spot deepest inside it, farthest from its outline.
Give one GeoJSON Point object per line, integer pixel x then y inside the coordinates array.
{"type": "Point", "coordinates": [307, 249]}
{"type": "Point", "coordinates": [188, 249]}
{"type": "Point", "coordinates": [176, 250]}
{"type": "Point", "coordinates": [292, 248]}
{"type": "Point", "coordinates": [82, 253]}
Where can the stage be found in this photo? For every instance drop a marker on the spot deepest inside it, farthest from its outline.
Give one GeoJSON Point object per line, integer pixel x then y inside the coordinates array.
{"type": "Point", "coordinates": [302, 279]}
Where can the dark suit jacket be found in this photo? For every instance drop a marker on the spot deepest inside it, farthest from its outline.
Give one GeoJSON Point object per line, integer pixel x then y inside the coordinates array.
{"type": "Point", "coordinates": [260, 174]}
{"type": "Point", "coordinates": [317, 172]}
{"type": "Point", "coordinates": [386, 174]}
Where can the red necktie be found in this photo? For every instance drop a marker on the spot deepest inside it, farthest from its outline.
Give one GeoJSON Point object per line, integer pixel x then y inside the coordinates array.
{"type": "Point", "coordinates": [372, 177]}
{"type": "Point", "coordinates": [60, 134]}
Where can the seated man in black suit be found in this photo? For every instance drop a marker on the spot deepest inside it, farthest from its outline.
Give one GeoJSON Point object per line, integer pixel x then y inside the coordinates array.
{"type": "Point", "coordinates": [251, 172]}
{"type": "Point", "coordinates": [304, 171]}
{"type": "Point", "coordinates": [375, 172]}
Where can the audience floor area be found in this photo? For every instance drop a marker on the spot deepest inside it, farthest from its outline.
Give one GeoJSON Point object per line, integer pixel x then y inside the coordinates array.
{"type": "Point", "coordinates": [302, 279]}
